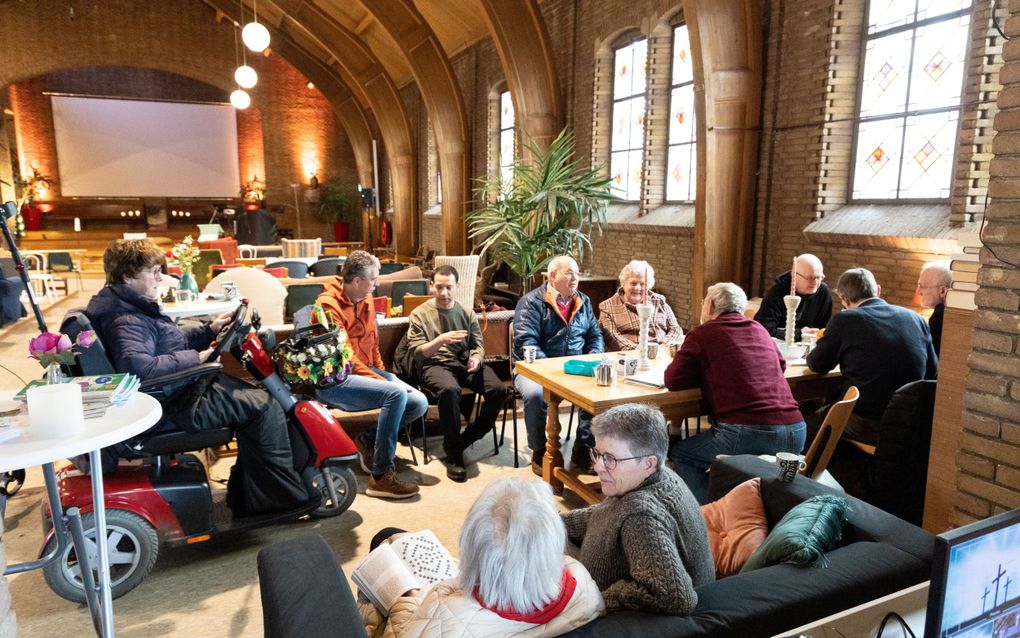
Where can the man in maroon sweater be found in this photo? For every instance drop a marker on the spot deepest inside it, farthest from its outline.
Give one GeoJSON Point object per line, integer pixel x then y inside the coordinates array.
{"type": "Point", "coordinates": [740, 372]}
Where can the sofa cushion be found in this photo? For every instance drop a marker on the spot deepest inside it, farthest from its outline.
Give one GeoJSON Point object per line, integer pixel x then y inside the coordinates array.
{"type": "Point", "coordinates": [736, 526]}
{"type": "Point", "coordinates": [804, 535]}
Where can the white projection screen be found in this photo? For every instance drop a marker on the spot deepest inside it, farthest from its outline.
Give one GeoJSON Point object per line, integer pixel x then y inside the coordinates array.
{"type": "Point", "coordinates": [134, 148]}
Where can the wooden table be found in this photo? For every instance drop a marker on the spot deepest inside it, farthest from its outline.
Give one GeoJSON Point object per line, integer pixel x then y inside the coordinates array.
{"type": "Point", "coordinates": [582, 392]}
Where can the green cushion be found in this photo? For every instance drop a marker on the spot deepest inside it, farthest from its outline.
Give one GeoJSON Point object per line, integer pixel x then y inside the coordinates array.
{"type": "Point", "coordinates": [804, 535]}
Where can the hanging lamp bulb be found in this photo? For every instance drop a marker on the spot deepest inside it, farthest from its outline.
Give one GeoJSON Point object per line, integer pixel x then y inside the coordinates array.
{"type": "Point", "coordinates": [240, 99]}
{"type": "Point", "coordinates": [255, 37]}
{"type": "Point", "coordinates": [246, 76]}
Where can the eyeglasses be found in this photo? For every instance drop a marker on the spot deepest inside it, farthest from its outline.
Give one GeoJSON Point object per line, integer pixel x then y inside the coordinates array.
{"type": "Point", "coordinates": [818, 278]}
{"type": "Point", "coordinates": [608, 460]}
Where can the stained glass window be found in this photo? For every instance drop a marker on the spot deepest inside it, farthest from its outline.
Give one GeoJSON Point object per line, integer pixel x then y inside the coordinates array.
{"type": "Point", "coordinates": [911, 82]}
{"type": "Point", "coordinates": [681, 162]}
{"type": "Point", "coordinates": [506, 137]}
{"type": "Point", "coordinates": [627, 142]}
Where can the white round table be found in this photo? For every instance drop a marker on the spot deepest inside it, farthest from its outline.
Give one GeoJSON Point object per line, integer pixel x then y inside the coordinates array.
{"type": "Point", "coordinates": [118, 424]}
{"type": "Point", "coordinates": [199, 308]}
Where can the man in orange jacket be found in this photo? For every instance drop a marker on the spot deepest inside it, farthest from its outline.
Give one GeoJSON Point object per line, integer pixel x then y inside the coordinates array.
{"type": "Point", "coordinates": [348, 301]}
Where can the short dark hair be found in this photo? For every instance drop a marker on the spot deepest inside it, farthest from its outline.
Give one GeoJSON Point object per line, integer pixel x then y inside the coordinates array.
{"type": "Point", "coordinates": [446, 269]}
{"type": "Point", "coordinates": [128, 257]}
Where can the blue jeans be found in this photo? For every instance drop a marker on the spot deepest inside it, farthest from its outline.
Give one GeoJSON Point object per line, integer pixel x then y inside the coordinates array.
{"type": "Point", "coordinates": [399, 404]}
{"type": "Point", "coordinates": [535, 413]}
{"type": "Point", "coordinates": [691, 457]}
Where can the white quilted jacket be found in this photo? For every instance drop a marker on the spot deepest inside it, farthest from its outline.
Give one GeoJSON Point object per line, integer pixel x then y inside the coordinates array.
{"type": "Point", "coordinates": [445, 612]}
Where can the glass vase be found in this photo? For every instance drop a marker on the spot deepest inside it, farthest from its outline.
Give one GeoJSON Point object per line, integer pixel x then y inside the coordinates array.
{"type": "Point", "coordinates": [54, 374]}
{"type": "Point", "coordinates": [188, 282]}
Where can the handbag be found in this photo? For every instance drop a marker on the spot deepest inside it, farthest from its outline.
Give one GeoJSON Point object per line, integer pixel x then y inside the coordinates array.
{"type": "Point", "coordinates": [315, 355]}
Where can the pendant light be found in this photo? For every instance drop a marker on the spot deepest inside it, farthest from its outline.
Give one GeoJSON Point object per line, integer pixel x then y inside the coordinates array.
{"type": "Point", "coordinates": [240, 99]}
{"type": "Point", "coordinates": [254, 35]}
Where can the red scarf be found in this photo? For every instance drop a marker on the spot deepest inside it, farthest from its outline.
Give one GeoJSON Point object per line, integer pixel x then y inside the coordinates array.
{"type": "Point", "coordinates": [540, 616]}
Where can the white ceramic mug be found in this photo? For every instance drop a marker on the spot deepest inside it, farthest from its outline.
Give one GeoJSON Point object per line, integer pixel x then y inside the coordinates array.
{"type": "Point", "coordinates": [530, 352]}
{"type": "Point", "coordinates": [788, 464]}
{"type": "Point", "coordinates": [55, 411]}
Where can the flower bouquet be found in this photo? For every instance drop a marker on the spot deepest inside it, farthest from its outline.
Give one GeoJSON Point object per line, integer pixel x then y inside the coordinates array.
{"type": "Point", "coordinates": [184, 255]}
{"type": "Point", "coordinates": [53, 349]}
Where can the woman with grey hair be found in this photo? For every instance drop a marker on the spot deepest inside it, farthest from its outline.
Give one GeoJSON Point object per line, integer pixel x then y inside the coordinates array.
{"type": "Point", "coordinates": [646, 544]}
{"type": "Point", "coordinates": [739, 369]}
{"type": "Point", "coordinates": [618, 315]}
{"type": "Point", "coordinates": [514, 578]}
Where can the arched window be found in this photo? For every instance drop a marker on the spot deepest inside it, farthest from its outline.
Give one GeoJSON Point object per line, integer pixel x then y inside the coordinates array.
{"type": "Point", "coordinates": [909, 107]}
{"type": "Point", "coordinates": [506, 138]}
{"type": "Point", "coordinates": [681, 159]}
{"type": "Point", "coordinates": [627, 141]}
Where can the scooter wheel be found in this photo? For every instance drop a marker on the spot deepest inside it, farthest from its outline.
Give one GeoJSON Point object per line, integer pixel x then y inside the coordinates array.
{"type": "Point", "coordinates": [133, 546]}
{"type": "Point", "coordinates": [346, 485]}
{"type": "Point", "coordinates": [12, 481]}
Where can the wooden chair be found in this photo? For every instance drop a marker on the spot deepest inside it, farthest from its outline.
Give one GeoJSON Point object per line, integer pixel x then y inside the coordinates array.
{"type": "Point", "coordinates": [335, 251]}
{"type": "Point", "coordinates": [411, 302]}
{"type": "Point", "coordinates": [824, 444]}
{"type": "Point", "coordinates": [61, 263]}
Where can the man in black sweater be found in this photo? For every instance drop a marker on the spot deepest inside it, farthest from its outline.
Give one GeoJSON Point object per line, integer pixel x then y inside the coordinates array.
{"type": "Point", "coordinates": [815, 307]}
{"type": "Point", "coordinates": [878, 348]}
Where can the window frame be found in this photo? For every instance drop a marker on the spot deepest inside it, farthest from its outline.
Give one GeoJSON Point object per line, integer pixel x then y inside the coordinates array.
{"type": "Point", "coordinates": [669, 101]}
{"type": "Point", "coordinates": [906, 114]}
{"type": "Point", "coordinates": [500, 129]}
{"type": "Point", "coordinates": [623, 44]}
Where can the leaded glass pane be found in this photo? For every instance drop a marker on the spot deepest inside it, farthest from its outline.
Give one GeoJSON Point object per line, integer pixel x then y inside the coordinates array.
{"type": "Point", "coordinates": [506, 153]}
{"type": "Point", "coordinates": [885, 74]}
{"type": "Point", "coordinates": [878, 159]}
{"type": "Point", "coordinates": [939, 52]}
{"type": "Point", "coordinates": [629, 78]}
{"type": "Point", "coordinates": [621, 125]}
{"type": "Point", "coordinates": [928, 155]}
{"type": "Point", "coordinates": [636, 126]}
{"type": "Point", "coordinates": [681, 115]}
{"type": "Point", "coordinates": [934, 8]}
{"type": "Point", "coordinates": [625, 168]}
{"type": "Point", "coordinates": [506, 110]}
{"type": "Point", "coordinates": [885, 14]}
{"type": "Point", "coordinates": [683, 67]}
{"type": "Point", "coordinates": [681, 173]}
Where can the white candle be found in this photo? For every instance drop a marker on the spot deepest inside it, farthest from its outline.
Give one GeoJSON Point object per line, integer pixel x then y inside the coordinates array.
{"type": "Point", "coordinates": [55, 411]}
{"type": "Point", "coordinates": [77, 225]}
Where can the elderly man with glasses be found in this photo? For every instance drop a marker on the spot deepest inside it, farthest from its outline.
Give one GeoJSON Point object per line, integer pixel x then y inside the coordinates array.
{"type": "Point", "coordinates": [932, 287]}
{"type": "Point", "coordinates": [815, 307]}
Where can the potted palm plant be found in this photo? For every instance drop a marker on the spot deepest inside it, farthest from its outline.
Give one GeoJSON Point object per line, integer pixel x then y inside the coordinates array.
{"type": "Point", "coordinates": [551, 208]}
{"type": "Point", "coordinates": [336, 205]}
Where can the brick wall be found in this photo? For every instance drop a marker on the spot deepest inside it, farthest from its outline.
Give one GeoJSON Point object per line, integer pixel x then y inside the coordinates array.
{"type": "Point", "coordinates": [988, 479]}
{"type": "Point", "coordinates": [133, 48]}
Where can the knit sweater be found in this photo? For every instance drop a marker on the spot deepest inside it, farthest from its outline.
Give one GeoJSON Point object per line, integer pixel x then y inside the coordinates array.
{"type": "Point", "coordinates": [647, 549]}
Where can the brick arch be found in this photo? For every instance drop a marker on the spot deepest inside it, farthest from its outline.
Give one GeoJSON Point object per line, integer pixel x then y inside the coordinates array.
{"type": "Point", "coordinates": [441, 95]}
{"type": "Point", "coordinates": [525, 52]}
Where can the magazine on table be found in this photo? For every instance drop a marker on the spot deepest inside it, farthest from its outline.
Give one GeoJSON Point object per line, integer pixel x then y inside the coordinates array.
{"type": "Point", "coordinates": [98, 387]}
{"type": "Point", "coordinates": [413, 561]}
{"type": "Point", "coordinates": [650, 379]}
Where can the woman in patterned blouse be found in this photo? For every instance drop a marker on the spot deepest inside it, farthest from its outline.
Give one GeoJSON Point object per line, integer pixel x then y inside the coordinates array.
{"type": "Point", "coordinates": [618, 315]}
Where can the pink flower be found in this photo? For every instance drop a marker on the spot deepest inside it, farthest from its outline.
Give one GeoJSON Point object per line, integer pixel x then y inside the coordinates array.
{"type": "Point", "coordinates": [86, 338]}
{"type": "Point", "coordinates": [45, 342]}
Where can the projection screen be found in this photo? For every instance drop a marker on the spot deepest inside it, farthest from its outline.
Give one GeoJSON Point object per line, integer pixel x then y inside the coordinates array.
{"type": "Point", "coordinates": [134, 148]}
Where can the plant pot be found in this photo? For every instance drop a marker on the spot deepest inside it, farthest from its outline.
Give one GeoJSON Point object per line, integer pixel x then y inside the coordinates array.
{"type": "Point", "coordinates": [32, 216]}
{"type": "Point", "coordinates": [187, 282]}
{"type": "Point", "coordinates": [341, 231]}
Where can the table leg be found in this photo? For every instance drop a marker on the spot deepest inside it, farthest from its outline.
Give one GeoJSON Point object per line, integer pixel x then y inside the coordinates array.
{"type": "Point", "coordinates": [99, 509]}
{"type": "Point", "coordinates": [553, 458]}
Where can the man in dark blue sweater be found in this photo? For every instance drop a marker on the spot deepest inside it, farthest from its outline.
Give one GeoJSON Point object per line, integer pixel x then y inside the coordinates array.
{"type": "Point", "coordinates": [878, 347]}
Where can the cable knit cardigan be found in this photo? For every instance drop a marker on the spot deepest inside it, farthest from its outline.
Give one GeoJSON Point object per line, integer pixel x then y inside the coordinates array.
{"type": "Point", "coordinates": [647, 549]}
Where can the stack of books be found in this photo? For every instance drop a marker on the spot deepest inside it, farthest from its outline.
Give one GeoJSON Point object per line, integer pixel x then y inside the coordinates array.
{"type": "Point", "coordinates": [965, 268]}
{"type": "Point", "coordinates": [98, 392]}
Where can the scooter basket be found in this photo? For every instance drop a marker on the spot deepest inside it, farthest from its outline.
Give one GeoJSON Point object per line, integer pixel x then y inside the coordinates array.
{"type": "Point", "coordinates": [315, 356]}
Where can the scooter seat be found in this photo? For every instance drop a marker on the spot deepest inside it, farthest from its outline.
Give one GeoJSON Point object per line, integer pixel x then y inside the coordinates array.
{"type": "Point", "coordinates": [179, 441]}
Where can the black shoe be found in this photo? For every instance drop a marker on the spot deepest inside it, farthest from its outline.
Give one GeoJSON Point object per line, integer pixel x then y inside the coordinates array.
{"type": "Point", "coordinates": [580, 459]}
{"type": "Point", "coordinates": [536, 462]}
{"type": "Point", "coordinates": [455, 469]}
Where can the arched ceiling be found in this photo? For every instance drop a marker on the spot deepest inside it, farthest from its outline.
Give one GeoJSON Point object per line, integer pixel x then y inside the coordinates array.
{"type": "Point", "coordinates": [457, 24]}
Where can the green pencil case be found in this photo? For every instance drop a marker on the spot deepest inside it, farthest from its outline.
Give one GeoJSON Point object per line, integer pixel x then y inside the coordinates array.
{"type": "Point", "coordinates": [580, 367]}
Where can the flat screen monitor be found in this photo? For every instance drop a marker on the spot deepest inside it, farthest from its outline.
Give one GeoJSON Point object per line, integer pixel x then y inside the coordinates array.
{"type": "Point", "coordinates": [975, 583]}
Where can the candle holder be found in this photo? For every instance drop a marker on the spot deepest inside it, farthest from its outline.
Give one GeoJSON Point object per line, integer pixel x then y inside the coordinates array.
{"type": "Point", "coordinates": [644, 313]}
{"type": "Point", "coordinates": [791, 301]}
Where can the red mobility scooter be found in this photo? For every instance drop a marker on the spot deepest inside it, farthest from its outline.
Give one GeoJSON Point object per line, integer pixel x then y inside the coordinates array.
{"type": "Point", "coordinates": [163, 497]}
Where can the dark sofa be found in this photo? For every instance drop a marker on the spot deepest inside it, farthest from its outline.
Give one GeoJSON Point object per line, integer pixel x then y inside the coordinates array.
{"type": "Point", "coordinates": [879, 554]}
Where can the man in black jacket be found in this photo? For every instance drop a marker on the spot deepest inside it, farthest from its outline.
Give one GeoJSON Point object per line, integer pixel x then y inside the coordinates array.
{"type": "Point", "coordinates": [878, 348]}
{"type": "Point", "coordinates": [932, 287]}
{"type": "Point", "coordinates": [815, 307]}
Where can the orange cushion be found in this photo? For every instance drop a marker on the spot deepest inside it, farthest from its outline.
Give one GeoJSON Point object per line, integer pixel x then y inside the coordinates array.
{"type": "Point", "coordinates": [736, 526]}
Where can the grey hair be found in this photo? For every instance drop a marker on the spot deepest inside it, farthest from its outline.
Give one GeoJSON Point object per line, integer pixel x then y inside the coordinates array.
{"type": "Point", "coordinates": [641, 426]}
{"type": "Point", "coordinates": [358, 264]}
{"type": "Point", "coordinates": [945, 273]}
{"type": "Point", "coordinates": [556, 263]}
{"type": "Point", "coordinates": [635, 267]}
{"type": "Point", "coordinates": [857, 284]}
{"type": "Point", "coordinates": [511, 546]}
{"type": "Point", "coordinates": [727, 297]}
